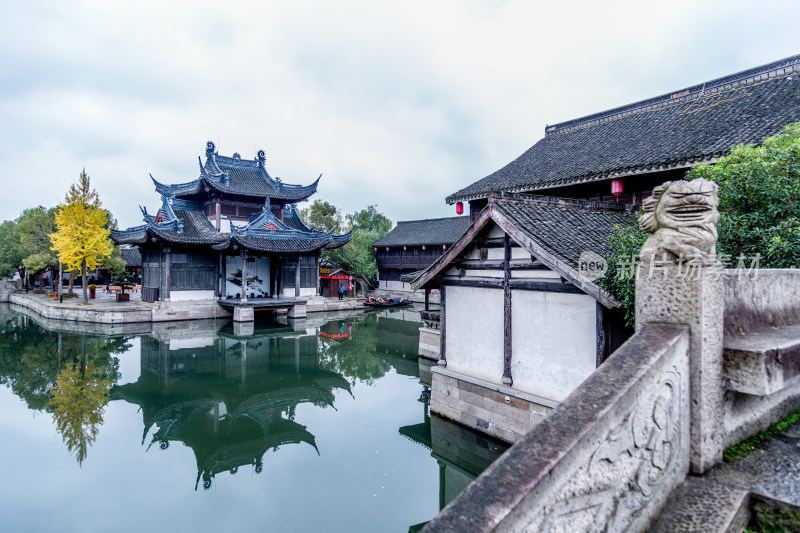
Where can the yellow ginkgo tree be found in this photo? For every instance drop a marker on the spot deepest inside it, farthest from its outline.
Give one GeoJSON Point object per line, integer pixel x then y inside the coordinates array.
{"type": "Point", "coordinates": [82, 237]}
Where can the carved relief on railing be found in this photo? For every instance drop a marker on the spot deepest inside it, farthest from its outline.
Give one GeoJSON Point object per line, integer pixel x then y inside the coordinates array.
{"type": "Point", "coordinates": [608, 488]}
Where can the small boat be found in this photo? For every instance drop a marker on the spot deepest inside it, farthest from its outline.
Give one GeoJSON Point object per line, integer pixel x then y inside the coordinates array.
{"type": "Point", "coordinates": [386, 301]}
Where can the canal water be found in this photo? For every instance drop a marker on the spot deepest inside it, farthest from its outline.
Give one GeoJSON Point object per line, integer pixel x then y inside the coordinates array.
{"type": "Point", "coordinates": [319, 424]}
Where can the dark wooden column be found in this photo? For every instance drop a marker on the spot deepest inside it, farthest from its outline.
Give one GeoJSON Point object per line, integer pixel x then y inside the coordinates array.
{"type": "Point", "coordinates": [507, 380]}
{"type": "Point", "coordinates": [427, 299]}
{"type": "Point", "coordinates": [442, 326]}
{"type": "Point", "coordinates": [167, 272]}
{"type": "Point", "coordinates": [218, 207]}
{"type": "Point", "coordinates": [221, 276]}
{"type": "Point", "coordinates": [297, 277]}
{"type": "Point", "coordinates": [244, 275]}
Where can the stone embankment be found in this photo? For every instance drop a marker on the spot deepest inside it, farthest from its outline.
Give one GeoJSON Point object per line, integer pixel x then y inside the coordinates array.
{"type": "Point", "coordinates": [104, 310]}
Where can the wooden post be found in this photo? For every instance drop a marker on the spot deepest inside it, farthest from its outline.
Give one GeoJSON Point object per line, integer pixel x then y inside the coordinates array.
{"type": "Point", "coordinates": [167, 272]}
{"type": "Point", "coordinates": [507, 380]}
{"type": "Point", "coordinates": [601, 340]}
{"type": "Point", "coordinates": [221, 277]}
{"type": "Point", "coordinates": [219, 215]}
{"type": "Point", "coordinates": [297, 277]}
{"type": "Point", "coordinates": [244, 275]}
{"type": "Point", "coordinates": [442, 333]}
{"type": "Point", "coordinates": [427, 299]}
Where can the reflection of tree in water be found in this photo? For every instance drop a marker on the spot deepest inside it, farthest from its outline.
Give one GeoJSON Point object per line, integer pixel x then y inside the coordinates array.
{"type": "Point", "coordinates": [78, 400]}
{"type": "Point", "coordinates": [32, 365]}
{"type": "Point", "coordinates": [352, 353]}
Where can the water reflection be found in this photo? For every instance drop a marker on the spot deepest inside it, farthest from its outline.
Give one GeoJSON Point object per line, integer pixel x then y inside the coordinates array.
{"type": "Point", "coordinates": [230, 399]}
{"type": "Point", "coordinates": [67, 375]}
{"type": "Point", "coordinates": [332, 392]}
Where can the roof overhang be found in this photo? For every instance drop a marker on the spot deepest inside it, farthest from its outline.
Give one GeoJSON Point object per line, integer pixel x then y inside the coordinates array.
{"type": "Point", "coordinates": [592, 178]}
{"type": "Point", "coordinates": [491, 214]}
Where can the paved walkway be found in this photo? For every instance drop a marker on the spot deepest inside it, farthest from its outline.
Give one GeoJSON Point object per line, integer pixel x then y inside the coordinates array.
{"type": "Point", "coordinates": [726, 499]}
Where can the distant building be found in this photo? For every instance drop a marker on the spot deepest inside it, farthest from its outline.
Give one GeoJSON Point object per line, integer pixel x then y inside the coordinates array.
{"type": "Point", "coordinates": [412, 246]}
{"type": "Point", "coordinates": [192, 249]}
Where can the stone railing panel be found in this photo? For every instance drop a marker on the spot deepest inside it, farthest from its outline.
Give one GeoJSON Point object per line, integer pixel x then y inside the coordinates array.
{"type": "Point", "coordinates": [605, 459]}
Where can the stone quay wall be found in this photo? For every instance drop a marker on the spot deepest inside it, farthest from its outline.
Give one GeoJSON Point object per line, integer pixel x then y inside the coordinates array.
{"type": "Point", "coordinates": [494, 409]}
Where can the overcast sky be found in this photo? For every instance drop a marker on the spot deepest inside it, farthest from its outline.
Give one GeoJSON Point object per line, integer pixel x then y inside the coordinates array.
{"type": "Point", "coordinates": [397, 104]}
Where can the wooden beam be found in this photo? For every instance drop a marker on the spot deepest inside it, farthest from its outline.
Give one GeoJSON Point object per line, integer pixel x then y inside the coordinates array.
{"type": "Point", "coordinates": [500, 265]}
{"type": "Point", "coordinates": [507, 380]}
{"type": "Point", "coordinates": [516, 284]}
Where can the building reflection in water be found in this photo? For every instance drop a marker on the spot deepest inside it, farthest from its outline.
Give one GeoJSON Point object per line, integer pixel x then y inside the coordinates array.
{"type": "Point", "coordinates": [230, 399]}
{"type": "Point", "coordinates": [460, 453]}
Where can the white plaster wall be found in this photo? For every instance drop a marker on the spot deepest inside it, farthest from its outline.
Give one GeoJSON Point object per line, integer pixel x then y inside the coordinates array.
{"type": "Point", "coordinates": [396, 286]}
{"type": "Point", "coordinates": [304, 291]}
{"type": "Point", "coordinates": [474, 330]}
{"type": "Point", "coordinates": [553, 341]}
{"type": "Point", "coordinates": [182, 296]}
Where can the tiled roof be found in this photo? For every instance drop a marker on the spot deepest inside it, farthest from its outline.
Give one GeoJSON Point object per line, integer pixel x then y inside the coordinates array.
{"type": "Point", "coordinates": [679, 129]}
{"type": "Point", "coordinates": [238, 177]}
{"type": "Point", "coordinates": [430, 231]}
{"type": "Point", "coordinates": [131, 256]}
{"type": "Point", "coordinates": [278, 245]}
{"type": "Point", "coordinates": [196, 229]}
{"type": "Point", "coordinates": [565, 228]}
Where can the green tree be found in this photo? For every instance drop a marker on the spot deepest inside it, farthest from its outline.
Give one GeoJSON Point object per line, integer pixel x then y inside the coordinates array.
{"type": "Point", "coordinates": [759, 193]}
{"type": "Point", "coordinates": [358, 256]}
{"type": "Point", "coordinates": [322, 216]}
{"type": "Point", "coordinates": [11, 250]}
{"type": "Point", "coordinates": [82, 237]}
{"type": "Point", "coordinates": [619, 280]}
{"type": "Point", "coordinates": [33, 230]}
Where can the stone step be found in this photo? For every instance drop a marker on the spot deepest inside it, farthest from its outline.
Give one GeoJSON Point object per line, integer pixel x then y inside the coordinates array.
{"type": "Point", "coordinates": [732, 496]}
{"type": "Point", "coordinates": [764, 361]}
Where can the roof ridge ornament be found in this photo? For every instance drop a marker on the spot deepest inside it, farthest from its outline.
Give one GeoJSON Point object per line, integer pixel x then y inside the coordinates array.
{"type": "Point", "coordinates": [261, 157]}
{"type": "Point", "coordinates": [210, 147]}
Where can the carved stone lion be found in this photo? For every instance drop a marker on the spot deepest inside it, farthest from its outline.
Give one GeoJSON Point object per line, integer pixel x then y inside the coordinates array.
{"type": "Point", "coordinates": [682, 216]}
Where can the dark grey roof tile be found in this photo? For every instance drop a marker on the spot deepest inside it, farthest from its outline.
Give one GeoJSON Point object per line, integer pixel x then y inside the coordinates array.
{"type": "Point", "coordinates": [425, 232]}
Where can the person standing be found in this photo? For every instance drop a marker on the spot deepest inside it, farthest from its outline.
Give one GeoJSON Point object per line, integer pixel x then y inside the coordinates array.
{"type": "Point", "coordinates": [341, 291]}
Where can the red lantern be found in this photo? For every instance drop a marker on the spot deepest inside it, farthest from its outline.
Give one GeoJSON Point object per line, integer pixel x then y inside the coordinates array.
{"type": "Point", "coordinates": [459, 208]}
{"type": "Point", "coordinates": [376, 249]}
{"type": "Point", "coordinates": [423, 246]}
{"type": "Point", "coordinates": [387, 248]}
{"type": "Point", "coordinates": [616, 187]}
{"type": "Point", "coordinates": [404, 248]}
{"type": "Point", "coordinates": [444, 247]}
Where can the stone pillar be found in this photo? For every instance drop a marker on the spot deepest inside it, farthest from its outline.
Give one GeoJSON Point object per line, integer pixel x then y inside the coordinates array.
{"type": "Point", "coordinates": [219, 215]}
{"type": "Point", "coordinates": [244, 275]}
{"type": "Point", "coordinates": [679, 281]}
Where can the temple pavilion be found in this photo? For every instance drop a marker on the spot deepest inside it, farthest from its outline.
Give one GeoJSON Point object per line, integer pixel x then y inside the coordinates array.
{"type": "Point", "coordinates": [232, 233]}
